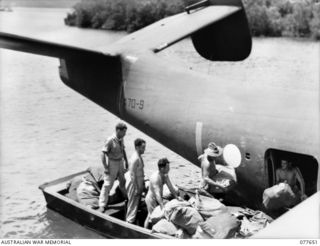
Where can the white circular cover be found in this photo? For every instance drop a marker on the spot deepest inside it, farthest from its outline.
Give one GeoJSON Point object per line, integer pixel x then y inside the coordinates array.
{"type": "Point", "coordinates": [232, 155]}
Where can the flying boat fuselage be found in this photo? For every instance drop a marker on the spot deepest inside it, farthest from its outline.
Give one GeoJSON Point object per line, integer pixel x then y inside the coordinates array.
{"type": "Point", "coordinates": [185, 110]}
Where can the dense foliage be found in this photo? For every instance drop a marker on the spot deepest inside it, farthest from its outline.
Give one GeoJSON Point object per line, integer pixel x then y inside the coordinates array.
{"type": "Point", "coordinates": [300, 18]}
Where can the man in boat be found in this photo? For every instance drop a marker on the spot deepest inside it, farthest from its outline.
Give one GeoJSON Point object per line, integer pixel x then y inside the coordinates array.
{"type": "Point", "coordinates": [158, 179]}
{"type": "Point", "coordinates": [113, 158]}
{"type": "Point", "coordinates": [216, 178]}
{"type": "Point", "coordinates": [135, 180]}
{"type": "Point", "coordinates": [291, 176]}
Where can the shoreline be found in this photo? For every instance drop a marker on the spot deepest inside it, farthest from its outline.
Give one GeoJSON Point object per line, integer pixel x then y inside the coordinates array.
{"type": "Point", "coordinates": [26, 8]}
{"type": "Point", "coordinates": [67, 9]}
{"type": "Point", "coordinates": [38, 4]}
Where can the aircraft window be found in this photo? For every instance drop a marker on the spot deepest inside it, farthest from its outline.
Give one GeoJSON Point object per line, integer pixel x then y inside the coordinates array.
{"type": "Point", "coordinates": [306, 164]}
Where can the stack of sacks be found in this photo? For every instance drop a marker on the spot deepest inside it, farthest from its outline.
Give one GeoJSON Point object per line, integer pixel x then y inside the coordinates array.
{"type": "Point", "coordinates": [72, 187]}
{"type": "Point", "coordinates": [85, 189]}
{"type": "Point", "coordinates": [180, 214]}
{"type": "Point", "coordinates": [200, 234]}
{"type": "Point", "coordinates": [205, 218]}
{"type": "Point", "coordinates": [209, 207]}
{"type": "Point", "coordinates": [219, 222]}
{"type": "Point", "coordinates": [183, 215]}
{"type": "Point", "coordinates": [253, 221]}
{"type": "Point", "coordinates": [165, 227]}
{"type": "Point", "coordinates": [181, 234]}
{"type": "Point", "coordinates": [87, 192]}
{"type": "Point", "coordinates": [156, 215]}
{"type": "Point", "coordinates": [220, 226]}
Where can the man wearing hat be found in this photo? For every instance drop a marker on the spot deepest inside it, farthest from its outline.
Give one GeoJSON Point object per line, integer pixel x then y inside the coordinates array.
{"type": "Point", "coordinates": [113, 158]}
{"type": "Point", "coordinates": [216, 178]}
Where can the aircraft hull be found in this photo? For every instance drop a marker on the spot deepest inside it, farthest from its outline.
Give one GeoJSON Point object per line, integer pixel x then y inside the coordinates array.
{"type": "Point", "coordinates": [185, 110]}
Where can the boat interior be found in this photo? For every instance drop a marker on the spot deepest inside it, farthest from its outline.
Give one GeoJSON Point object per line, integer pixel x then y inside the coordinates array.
{"type": "Point", "coordinates": [116, 206]}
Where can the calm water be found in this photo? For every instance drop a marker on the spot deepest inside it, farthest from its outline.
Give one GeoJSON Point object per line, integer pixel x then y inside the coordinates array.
{"type": "Point", "coordinates": [49, 131]}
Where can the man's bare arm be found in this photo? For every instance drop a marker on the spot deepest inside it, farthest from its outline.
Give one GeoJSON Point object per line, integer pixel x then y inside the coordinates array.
{"type": "Point", "coordinates": [170, 186]}
{"type": "Point", "coordinates": [211, 182]}
{"type": "Point", "coordinates": [104, 161]}
{"type": "Point", "coordinates": [157, 190]}
{"type": "Point", "coordinates": [300, 180]}
{"type": "Point", "coordinates": [205, 176]}
{"type": "Point", "coordinates": [277, 176]}
{"type": "Point", "coordinates": [159, 198]}
{"type": "Point", "coordinates": [126, 163]}
{"type": "Point", "coordinates": [104, 155]}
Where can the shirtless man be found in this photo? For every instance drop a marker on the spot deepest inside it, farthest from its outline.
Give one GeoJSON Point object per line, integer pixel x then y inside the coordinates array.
{"type": "Point", "coordinates": [155, 192]}
{"type": "Point", "coordinates": [113, 157]}
{"type": "Point", "coordinates": [135, 180]}
{"type": "Point", "coordinates": [290, 175]}
{"type": "Point", "coordinates": [216, 179]}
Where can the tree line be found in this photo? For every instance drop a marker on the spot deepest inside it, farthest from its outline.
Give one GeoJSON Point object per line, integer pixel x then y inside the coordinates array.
{"type": "Point", "coordinates": [273, 18]}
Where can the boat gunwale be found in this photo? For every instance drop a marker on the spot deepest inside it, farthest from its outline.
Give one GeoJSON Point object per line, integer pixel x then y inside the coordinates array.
{"type": "Point", "coordinates": [48, 188]}
{"type": "Point", "coordinates": [60, 180]}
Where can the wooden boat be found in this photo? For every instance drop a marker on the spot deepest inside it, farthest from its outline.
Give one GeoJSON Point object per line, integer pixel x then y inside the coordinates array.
{"type": "Point", "coordinates": [111, 224]}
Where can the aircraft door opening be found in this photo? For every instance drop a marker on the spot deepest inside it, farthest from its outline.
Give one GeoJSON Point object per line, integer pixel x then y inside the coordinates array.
{"type": "Point", "coordinates": [305, 164]}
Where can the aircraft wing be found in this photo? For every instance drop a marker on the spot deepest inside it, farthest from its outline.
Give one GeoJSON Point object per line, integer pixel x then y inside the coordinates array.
{"type": "Point", "coordinates": [302, 221]}
{"type": "Point", "coordinates": [46, 48]}
{"type": "Point", "coordinates": [219, 32]}
{"type": "Point", "coordinates": [170, 30]}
